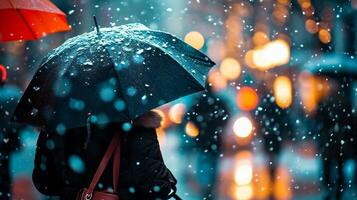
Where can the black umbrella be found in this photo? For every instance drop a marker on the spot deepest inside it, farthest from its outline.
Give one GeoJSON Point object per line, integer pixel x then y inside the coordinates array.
{"type": "Point", "coordinates": [115, 74]}
{"type": "Point", "coordinates": [333, 65]}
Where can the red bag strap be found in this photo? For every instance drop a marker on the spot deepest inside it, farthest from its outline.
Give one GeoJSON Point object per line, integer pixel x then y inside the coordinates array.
{"type": "Point", "coordinates": [114, 147]}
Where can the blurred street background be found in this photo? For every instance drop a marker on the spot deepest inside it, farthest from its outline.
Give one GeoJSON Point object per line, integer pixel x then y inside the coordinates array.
{"type": "Point", "coordinates": [269, 127]}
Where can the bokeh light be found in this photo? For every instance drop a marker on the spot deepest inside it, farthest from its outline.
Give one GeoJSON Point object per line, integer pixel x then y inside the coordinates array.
{"type": "Point", "coordinates": [242, 127]}
{"type": "Point", "coordinates": [279, 52]}
{"type": "Point", "coordinates": [191, 129]}
{"type": "Point", "coordinates": [176, 113]}
{"type": "Point", "coordinates": [311, 26]}
{"type": "Point", "coordinates": [272, 54]}
{"type": "Point", "coordinates": [230, 68]}
{"type": "Point", "coordinates": [324, 36]}
{"type": "Point", "coordinates": [243, 174]}
{"type": "Point", "coordinates": [260, 38]}
{"type": "Point", "coordinates": [247, 99]}
{"type": "Point", "coordinates": [249, 60]}
{"type": "Point", "coordinates": [195, 39]}
{"type": "Point", "coordinates": [283, 91]}
{"type": "Point", "coordinates": [243, 192]}
{"type": "Point", "coordinates": [217, 81]}
{"type": "Point", "coordinates": [312, 90]}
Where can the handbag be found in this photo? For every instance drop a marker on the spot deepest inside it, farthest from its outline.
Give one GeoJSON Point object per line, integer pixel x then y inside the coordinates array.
{"type": "Point", "coordinates": [90, 193]}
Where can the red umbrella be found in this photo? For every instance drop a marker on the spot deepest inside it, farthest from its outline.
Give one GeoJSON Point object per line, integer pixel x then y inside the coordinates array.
{"type": "Point", "coordinates": [30, 19]}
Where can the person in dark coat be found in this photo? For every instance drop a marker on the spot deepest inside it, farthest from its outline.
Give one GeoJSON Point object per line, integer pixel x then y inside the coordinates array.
{"type": "Point", "coordinates": [210, 115]}
{"type": "Point", "coordinates": [336, 138]}
{"type": "Point", "coordinates": [272, 124]}
{"type": "Point", "coordinates": [9, 135]}
{"type": "Point", "coordinates": [66, 161]}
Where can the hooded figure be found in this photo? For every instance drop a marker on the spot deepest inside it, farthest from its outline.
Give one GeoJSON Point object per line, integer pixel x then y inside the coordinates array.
{"type": "Point", "coordinates": [336, 134]}
{"type": "Point", "coordinates": [210, 116]}
{"type": "Point", "coordinates": [66, 161]}
{"type": "Point", "coordinates": [273, 124]}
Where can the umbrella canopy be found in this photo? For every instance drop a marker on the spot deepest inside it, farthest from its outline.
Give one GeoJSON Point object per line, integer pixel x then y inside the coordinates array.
{"type": "Point", "coordinates": [30, 19]}
{"type": "Point", "coordinates": [333, 65]}
{"type": "Point", "coordinates": [115, 75]}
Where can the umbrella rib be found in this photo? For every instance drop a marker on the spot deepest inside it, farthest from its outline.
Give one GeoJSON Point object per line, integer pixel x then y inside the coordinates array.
{"type": "Point", "coordinates": [120, 86]}
{"type": "Point", "coordinates": [23, 19]}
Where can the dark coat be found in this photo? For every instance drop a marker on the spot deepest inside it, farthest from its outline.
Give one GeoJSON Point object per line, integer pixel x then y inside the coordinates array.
{"type": "Point", "coordinates": [272, 123]}
{"type": "Point", "coordinates": [335, 123]}
{"type": "Point", "coordinates": [210, 115]}
{"type": "Point", "coordinates": [63, 166]}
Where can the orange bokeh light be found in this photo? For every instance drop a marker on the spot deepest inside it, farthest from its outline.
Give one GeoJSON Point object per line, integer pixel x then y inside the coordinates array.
{"type": "Point", "coordinates": [247, 99]}
{"type": "Point", "coordinates": [191, 129]}
{"type": "Point", "coordinates": [216, 79]}
{"type": "Point", "coordinates": [325, 36]}
{"type": "Point", "coordinates": [260, 38]}
{"type": "Point", "coordinates": [311, 26]}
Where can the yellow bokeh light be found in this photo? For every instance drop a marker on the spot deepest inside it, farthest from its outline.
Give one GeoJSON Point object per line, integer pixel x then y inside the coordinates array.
{"type": "Point", "coordinates": [261, 59]}
{"type": "Point", "coordinates": [244, 192]}
{"type": "Point", "coordinates": [283, 91]}
{"type": "Point", "coordinates": [243, 127]}
{"type": "Point", "coordinates": [195, 39]}
{"type": "Point", "coordinates": [272, 54]}
{"type": "Point", "coordinates": [191, 129]}
{"type": "Point", "coordinates": [248, 58]}
{"type": "Point", "coordinates": [243, 174]}
{"type": "Point", "coordinates": [176, 113]}
{"type": "Point", "coordinates": [230, 68]}
{"type": "Point", "coordinates": [279, 52]}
